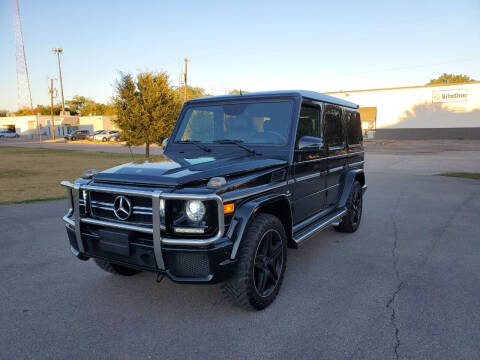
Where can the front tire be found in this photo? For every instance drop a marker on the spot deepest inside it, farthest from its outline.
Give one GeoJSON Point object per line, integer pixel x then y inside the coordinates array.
{"type": "Point", "coordinates": [115, 269]}
{"type": "Point", "coordinates": [351, 221]}
{"type": "Point", "coordinates": [104, 139]}
{"type": "Point", "coordinates": [262, 260]}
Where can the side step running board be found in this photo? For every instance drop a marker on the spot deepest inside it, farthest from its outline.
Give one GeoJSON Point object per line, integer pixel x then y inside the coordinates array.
{"type": "Point", "coordinates": [311, 230]}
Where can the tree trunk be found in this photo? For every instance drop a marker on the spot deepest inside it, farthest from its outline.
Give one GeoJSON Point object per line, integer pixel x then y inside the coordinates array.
{"type": "Point", "coordinates": [147, 149]}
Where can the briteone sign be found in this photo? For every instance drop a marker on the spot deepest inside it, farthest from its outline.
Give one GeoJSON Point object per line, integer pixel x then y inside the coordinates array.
{"type": "Point", "coordinates": [446, 96]}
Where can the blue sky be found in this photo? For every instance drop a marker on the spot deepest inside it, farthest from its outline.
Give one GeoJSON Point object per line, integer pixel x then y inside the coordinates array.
{"type": "Point", "coordinates": [253, 45]}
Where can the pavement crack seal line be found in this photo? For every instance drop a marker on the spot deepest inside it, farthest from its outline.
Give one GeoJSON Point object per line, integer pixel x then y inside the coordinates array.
{"type": "Point", "coordinates": [400, 283]}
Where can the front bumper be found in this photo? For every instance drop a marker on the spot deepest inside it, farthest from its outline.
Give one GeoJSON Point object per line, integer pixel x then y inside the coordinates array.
{"type": "Point", "coordinates": [182, 260]}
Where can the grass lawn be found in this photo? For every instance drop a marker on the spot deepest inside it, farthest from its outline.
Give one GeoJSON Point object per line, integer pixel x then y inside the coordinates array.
{"type": "Point", "coordinates": [32, 174]}
{"type": "Point", "coordinates": [464, 175]}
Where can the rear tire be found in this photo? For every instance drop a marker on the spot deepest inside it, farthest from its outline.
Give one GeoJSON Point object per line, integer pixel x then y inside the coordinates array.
{"type": "Point", "coordinates": [262, 260]}
{"type": "Point", "coordinates": [351, 221]}
{"type": "Point", "coordinates": [104, 139]}
{"type": "Point", "coordinates": [115, 269]}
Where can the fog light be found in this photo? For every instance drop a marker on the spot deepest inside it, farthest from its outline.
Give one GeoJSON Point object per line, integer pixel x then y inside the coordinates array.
{"type": "Point", "coordinates": [195, 210]}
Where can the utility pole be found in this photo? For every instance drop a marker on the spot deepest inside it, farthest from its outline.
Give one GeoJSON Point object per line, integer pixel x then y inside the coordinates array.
{"type": "Point", "coordinates": [59, 51]}
{"type": "Point", "coordinates": [185, 80]}
{"type": "Point", "coordinates": [51, 90]}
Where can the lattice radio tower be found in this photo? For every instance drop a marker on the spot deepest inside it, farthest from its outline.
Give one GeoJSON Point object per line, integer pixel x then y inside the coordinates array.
{"type": "Point", "coordinates": [24, 95]}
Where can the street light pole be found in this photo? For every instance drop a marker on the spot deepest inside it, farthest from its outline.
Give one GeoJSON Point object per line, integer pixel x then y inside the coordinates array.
{"type": "Point", "coordinates": [51, 90]}
{"type": "Point", "coordinates": [59, 51]}
{"type": "Point", "coordinates": [185, 97]}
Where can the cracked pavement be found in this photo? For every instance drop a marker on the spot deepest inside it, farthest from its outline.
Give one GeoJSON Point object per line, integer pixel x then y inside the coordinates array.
{"type": "Point", "coordinates": [406, 285]}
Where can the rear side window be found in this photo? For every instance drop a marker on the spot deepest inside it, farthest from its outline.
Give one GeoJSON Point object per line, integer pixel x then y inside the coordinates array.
{"type": "Point", "coordinates": [308, 123]}
{"type": "Point", "coordinates": [333, 126]}
{"type": "Point", "coordinates": [354, 128]}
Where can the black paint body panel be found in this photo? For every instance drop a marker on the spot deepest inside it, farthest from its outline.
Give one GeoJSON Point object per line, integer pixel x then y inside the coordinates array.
{"type": "Point", "coordinates": [296, 185]}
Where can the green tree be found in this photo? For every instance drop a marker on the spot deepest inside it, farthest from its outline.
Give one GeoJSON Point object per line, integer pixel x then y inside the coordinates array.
{"type": "Point", "coordinates": [39, 109]}
{"type": "Point", "coordinates": [192, 92]}
{"type": "Point", "coordinates": [450, 79]}
{"type": "Point", "coordinates": [24, 112]}
{"type": "Point", "coordinates": [237, 91]}
{"type": "Point", "coordinates": [84, 106]}
{"type": "Point", "coordinates": [147, 108]}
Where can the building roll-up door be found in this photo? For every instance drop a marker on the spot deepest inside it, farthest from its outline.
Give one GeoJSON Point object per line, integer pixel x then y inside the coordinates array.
{"type": "Point", "coordinates": [368, 116]}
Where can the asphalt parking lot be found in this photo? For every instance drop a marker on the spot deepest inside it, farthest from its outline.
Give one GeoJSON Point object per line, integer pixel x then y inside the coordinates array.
{"type": "Point", "coordinates": [405, 285]}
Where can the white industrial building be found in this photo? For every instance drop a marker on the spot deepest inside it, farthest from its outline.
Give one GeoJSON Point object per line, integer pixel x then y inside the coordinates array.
{"type": "Point", "coordinates": [26, 126]}
{"type": "Point", "coordinates": [419, 112]}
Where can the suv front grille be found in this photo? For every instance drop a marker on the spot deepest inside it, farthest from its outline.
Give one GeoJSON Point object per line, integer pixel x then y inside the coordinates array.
{"type": "Point", "coordinates": [102, 206]}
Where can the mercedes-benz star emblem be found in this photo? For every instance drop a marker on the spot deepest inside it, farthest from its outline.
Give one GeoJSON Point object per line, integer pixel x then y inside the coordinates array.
{"type": "Point", "coordinates": [122, 208]}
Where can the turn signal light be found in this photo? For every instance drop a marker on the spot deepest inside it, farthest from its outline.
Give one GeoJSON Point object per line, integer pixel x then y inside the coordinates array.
{"type": "Point", "coordinates": [228, 208]}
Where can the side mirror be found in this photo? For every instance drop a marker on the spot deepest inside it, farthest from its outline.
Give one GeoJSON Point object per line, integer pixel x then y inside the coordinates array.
{"type": "Point", "coordinates": [164, 144]}
{"type": "Point", "coordinates": [310, 143]}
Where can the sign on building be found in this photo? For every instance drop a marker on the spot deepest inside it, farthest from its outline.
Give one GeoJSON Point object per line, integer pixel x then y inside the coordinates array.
{"type": "Point", "coordinates": [448, 96]}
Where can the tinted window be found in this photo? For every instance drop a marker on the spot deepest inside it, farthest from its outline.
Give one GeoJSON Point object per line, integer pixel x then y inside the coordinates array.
{"type": "Point", "coordinates": [308, 123]}
{"type": "Point", "coordinates": [333, 126]}
{"type": "Point", "coordinates": [253, 123]}
{"type": "Point", "coordinates": [354, 128]}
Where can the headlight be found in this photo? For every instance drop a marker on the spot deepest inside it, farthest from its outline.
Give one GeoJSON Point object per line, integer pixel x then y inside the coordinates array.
{"type": "Point", "coordinates": [162, 207]}
{"type": "Point", "coordinates": [195, 210]}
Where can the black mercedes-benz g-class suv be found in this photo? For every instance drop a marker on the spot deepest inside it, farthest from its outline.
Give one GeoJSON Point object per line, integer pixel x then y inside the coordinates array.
{"type": "Point", "coordinates": [244, 178]}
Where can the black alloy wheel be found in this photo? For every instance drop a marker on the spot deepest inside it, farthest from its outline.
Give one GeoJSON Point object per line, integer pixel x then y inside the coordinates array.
{"type": "Point", "coordinates": [356, 207]}
{"type": "Point", "coordinates": [262, 259]}
{"type": "Point", "coordinates": [268, 263]}
{"type": "Point", "coordinates": [351, 221]}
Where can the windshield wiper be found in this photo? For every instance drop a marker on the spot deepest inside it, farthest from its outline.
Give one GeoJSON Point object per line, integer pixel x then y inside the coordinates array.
{"type": "Point", "coordinates": [239, 143]}
{"type": "Point", "coordinates": [196, 143]}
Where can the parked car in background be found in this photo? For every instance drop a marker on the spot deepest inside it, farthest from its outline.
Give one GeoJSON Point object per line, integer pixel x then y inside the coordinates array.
{"type": "Point", "coordinates": [77, 135]}
{"type": "Point", "coordinates": [8, 134]}
{"type": "Point", "coordinates": [92, 135]}
{"type": "Point", "coordinates": [99, 135]}
{"type": "Point", "coordinates": [115, 137]}
{"type": "Point", "coordinates": [104, 135]}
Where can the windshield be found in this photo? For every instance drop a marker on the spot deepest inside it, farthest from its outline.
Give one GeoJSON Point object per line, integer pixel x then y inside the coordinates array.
{"type": "Point", "coordinates": [250, 123]}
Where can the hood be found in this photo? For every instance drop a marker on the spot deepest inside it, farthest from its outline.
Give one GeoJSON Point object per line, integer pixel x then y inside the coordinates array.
{"type": "Point", "coordinates": [175, 172]}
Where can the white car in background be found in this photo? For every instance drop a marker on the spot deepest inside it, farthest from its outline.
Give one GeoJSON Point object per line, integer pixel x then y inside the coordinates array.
{"type": "Point", "coordinates": [8, 134]}
{"type": "Point", "coordinates": [115, 137]}
{"type": "Point", "coordinates": [104, 135]}
{"type": "Point", "coordinates": [92, 135]}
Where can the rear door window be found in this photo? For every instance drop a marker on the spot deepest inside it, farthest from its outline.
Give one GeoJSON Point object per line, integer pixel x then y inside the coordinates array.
{"type": "Point", "coordinates": [334, 135]}
{"type": "Point", "coordinates": [354, 128]}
